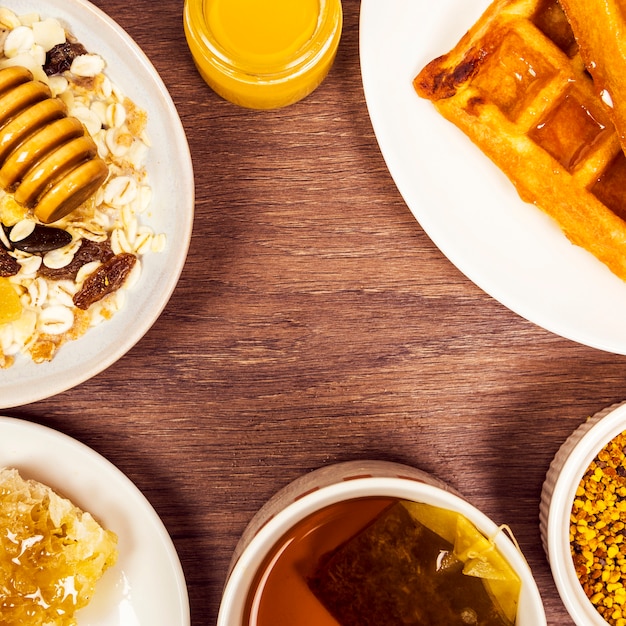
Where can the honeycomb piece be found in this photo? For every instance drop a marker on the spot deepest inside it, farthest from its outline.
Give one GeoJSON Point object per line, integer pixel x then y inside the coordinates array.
{"type": "Point", "coordinates": [517, 85]}
{"type": "Point", "coordinates": [51, 554]}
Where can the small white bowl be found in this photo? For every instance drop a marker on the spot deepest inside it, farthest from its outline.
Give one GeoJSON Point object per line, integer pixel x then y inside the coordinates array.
{"type": "Point", "coordinates": [346, 481]}
{"type": "Point", "coordinates": [566, 471]}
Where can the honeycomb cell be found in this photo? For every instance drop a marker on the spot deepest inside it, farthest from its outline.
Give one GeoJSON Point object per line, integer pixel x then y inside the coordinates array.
{"type": "Point", "coordinates": [572, 129]}
{"type": "Point", "coordinates": [513, 75]}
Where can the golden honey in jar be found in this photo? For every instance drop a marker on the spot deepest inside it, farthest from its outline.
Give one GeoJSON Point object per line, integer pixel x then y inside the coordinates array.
{"type": "Point", "coordinates": [263, 54]}
{"type": "Point", "coordinates": [377, 560]}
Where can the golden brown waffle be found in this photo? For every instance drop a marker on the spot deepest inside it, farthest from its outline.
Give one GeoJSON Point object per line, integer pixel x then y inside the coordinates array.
{"type": "Point", "coordinates": [517, 86]}
{"type": "Point", "coordinates": [599, 27]}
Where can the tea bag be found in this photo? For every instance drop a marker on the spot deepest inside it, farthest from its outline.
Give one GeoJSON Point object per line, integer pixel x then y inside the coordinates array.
{"type": "Point", "coordinates": [397, 571]}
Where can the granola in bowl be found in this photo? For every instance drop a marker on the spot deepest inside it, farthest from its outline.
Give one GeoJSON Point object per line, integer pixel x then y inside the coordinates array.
{"type": "Point", "coordinates": [59, 279]}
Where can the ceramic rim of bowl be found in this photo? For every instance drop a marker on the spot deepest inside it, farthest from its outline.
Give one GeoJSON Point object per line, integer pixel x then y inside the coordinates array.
{"type": "Point", "coordinates": [566, 471]}
{"type": "Point", "coordinates": [248, 557]}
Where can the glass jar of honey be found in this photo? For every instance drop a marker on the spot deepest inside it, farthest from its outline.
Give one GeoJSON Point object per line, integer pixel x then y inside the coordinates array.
{"type": "Point", "coordinates": [263, 54]}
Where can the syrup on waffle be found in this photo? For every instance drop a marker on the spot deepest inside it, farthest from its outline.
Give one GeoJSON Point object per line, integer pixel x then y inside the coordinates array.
{"type": "Point", "coordinates": [598, 26]}
{"type": "Point", "coordinates": [517, 86]}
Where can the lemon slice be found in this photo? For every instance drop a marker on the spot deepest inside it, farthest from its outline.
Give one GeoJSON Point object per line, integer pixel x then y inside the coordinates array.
{"type": "Point", "coordinates": [440, 521]}
{"type": "Point", "coordinates": [478, 554]}
{"type": "Point", "coordinates": [469, 542]}
{"type": "Point", "coordinates": [482, 559]}
{"type": "Point", "coordinates": [505, 596]}
{"type": "Point", "coordinates": [10, 305]}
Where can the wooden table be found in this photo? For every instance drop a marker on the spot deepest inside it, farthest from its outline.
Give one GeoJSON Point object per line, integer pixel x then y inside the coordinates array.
{"type": "Point", "coordinates": [316, 322]}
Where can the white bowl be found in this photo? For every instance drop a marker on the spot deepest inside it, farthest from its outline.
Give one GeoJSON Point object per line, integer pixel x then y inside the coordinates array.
{"type": "Point", "coordinates": [345, 481]}
{"type": "Point", "coordinates": [565, 473]}
{"type": "Point", "coordinates": [171, 177]}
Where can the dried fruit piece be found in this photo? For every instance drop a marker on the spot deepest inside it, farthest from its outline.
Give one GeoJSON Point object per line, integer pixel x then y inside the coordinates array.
{"type": "Point", "coordinates": [43, 239]}
{"type": "Point", "coordinates": [10, 305]}
{"type": "Point", "coordinates": [109, 277]}
{"type": "Point", "coordinates": [89, 251]}
{"type": "Point", "coordinates": [8, 265]}
{"type": "Point", "coordinates": [60, 57]}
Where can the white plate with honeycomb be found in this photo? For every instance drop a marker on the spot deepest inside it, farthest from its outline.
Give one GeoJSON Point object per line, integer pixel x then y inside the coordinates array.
{"type": "Point", "coordinates": [146, 585]}
{"type": "Point", "coordinates": [169, 213]}
{"type": "Point", "coordinates": [466, 205]}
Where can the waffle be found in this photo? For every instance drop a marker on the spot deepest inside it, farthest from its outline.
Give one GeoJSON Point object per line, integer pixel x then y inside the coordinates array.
{"type": "Point", "coordinates": [516, 84]}
{"type": "Point", "coordinates": [598, 27]}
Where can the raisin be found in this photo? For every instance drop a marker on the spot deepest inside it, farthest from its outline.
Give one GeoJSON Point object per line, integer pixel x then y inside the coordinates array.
{"type": "Point", "coordinates": [8, 265]}
{"type": "Point", "coordinates": [43, 239]}
{"type": "Point", "coordinates": [109, 277]}
{"type": "Point", "coordinates": [59, 58]}
{"type": "Point", "coordinates": [89, 251]}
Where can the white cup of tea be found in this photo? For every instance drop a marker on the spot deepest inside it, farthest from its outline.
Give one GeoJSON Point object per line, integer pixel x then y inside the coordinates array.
{"type": "Point", "coordinates": [368, 483]}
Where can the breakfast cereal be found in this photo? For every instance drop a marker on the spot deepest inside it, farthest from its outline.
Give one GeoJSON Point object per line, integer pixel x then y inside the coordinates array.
{"type": "Point", "coordinates": [73, 273]}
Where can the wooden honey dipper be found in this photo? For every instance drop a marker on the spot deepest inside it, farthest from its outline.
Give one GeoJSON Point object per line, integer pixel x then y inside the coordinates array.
{"type": "Point", "coordinates": [48, 160]}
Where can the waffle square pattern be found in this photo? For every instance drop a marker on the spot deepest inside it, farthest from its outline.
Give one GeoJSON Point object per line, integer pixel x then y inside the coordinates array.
{"type": "Point", "coordinates": [517, 85]}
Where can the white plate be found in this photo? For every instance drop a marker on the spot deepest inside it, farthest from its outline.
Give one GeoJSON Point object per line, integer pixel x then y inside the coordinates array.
{"type": "Point", "coordinates": [171, 211]}
{"type": "Point", "coordinates": [465, 204]}
{"type": "Point", "coordinates": [146, 586]}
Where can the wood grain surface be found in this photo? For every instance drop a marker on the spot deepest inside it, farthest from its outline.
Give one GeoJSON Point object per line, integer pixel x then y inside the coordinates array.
{"type": "Point", "coordinates": [316, 322]}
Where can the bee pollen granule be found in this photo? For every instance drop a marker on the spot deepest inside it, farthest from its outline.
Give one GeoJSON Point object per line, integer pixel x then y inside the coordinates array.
{"type": "Point", "coordinates": [597, 536]}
